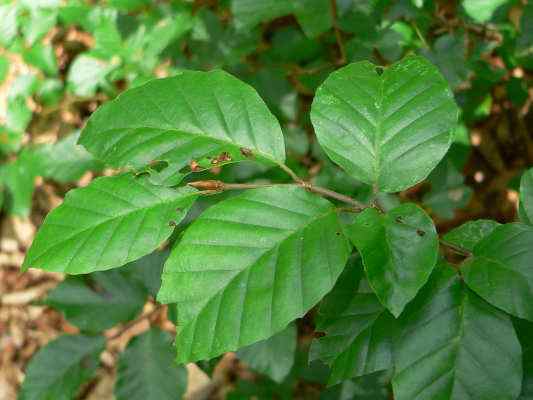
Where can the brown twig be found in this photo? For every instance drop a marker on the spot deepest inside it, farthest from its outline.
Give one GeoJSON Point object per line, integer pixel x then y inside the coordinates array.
{"type": "Point", "coordinates": [456, 249]}
{"type": "Point", "coordinates": [132, 323]}
{"type": "Point", "coordinates": [338, 35]}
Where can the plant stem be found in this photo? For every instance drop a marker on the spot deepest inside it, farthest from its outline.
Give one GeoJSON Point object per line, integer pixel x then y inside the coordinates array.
{"type": "Point", "coordinates": [457, 249]}
{"type": "Point", "coordinates": [338, 36]}
{"type": "Point", "coordinates": [134, 322]}
{"type": "Point", "coordinates": [213, 186]}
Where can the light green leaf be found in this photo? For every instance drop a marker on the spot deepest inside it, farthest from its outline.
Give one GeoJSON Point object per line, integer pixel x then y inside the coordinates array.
{"type": "Point", "coordinates": [18, 114]}
{"type": "Point", "coordinates": [193, 115]}
{"type": "Point", "coordinates": [147, 371]}
{"type": "Point", "coordinates": [358, 329]}
{"type": "Point", "coordinates": [455, 346]}
{"type": "Point", "coordinates": [470, 233]}
{"type": "Point", "coordinates": [4, 68]}
{"type": "Point", "coordinates": [18, 177]}
{"type": "Point", "coordinates": [501, 270]}
{"type": "Point", "coordinates": [8, 27]}
{"type": "Point", "coordinates": [61, 367]}
{"type": "Point", "coordinates": [482, 10]}
{"type": "Point", "coordinates": [98, 301]}
{"type": "Point", "coordinates": [390, 129]}
{"type": "Point", "coordinates": [66, 161]}
{"type": "Point", "coordinates": [274, 356]}
{"type": "Point", "coordinates": [399, 250]}
{"type": "Point", "coordinates": [86, 74]}
{"type": "Point", "coordinates": [248, 266]}
{"type": "Point", "coordinates": [40, 22]}
{"type": "Point", "coordinates": [43, 57]}
{"type": "Point", "coordinates": [526, 197]}
{"type": "Point", "coordinates": [107, 224]}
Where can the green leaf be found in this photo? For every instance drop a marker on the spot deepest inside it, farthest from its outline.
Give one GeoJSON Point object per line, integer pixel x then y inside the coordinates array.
{"type": "Point", "coordinates": [107, 224]}
{"type": "Point", "coordinates": [470, 233]}
{"type": "Point", "coordinates": [274, 356]}
{"type": "Point", "coordinates": [501, 271]}
{"type": "Point", "coordinates": [39, 23]}
{"type": "Point", "coordinates": [249, 265]}
{"type": "Point", "coordinates": [147, 270]}
{"type": "Point", "coordinates": [86, 74]}
{"type": "Point", "coordinates": [193, 115]}
{"type": "Point", "coordinates": [61, 367]}
{"type": "Point", "coordinates": [19, 176]}
{"type": "Point", "coordinates": [18, 114]}
{"type": "Point", "coordinates": [147, 371]}
{"type": "Point", "coordinates": [399, 250]}
{"type": "Point", "coordinates": [524, 330]}
{"type": "Point", "coordinates": [448, 191]}
{"type": "Point", "coordinates": [248, 13]}
{"type": "Point", "coordinates": [4, 68]}
{"type": "Point", "coordinates": [449, 54]}
{"type": "Point", "coordinates": [98, 301]}
{"type": "Point", "coordinates": [526, 197]}
{"type": "Point", "coordinates": [358, 329]}
{"type": "Point", "coordinates": [8, 28]}
{"type": "Point", "coordinates": [66, 161]}
{"type": "Point", "coordinates": [524, 49]}
{"type": "Point", "coordinates": [42, 57]}
{"type": "Point", "coordinates": [482, 10]}
{"type": "Point", "coordinates": [455, 346]}
{"type": "Point", "coordinates": [390, 129]}
{"type": "Point", "coordinates": [314, 16]}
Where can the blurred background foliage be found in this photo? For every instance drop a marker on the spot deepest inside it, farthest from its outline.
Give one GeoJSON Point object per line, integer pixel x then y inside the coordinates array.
{"type": "Point", "coordinates": [61, 59]}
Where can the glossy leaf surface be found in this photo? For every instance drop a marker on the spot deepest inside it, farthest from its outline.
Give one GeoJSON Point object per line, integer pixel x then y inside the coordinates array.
{"type": "Point", "coordinates": [399, 250]}
{"type": "Point", "coordinates": [501, 270]}
{"type": "Point", "coordinates": [455, 346]}
{"type": "Point", "coordinates": [386, 129]}
{"type": "Point", "coordinates": [250, 265]}
{"type": "Point", "coordinates": [191, 116]}
{"type": "Point", "coordinates": [110, 222]}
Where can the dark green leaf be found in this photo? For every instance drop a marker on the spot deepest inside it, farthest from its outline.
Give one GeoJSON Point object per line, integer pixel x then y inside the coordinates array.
{"type": "Point", "coordinates": [390, 129]}
{"type": "Point", "coordinates": [358, 329]}
{"type": "Point", "coordinates": [250, 265]}
{"type": "Point", "coordinates": [147, 270]}
{"type": "Point", "coordinates": [248, 13]}
{"type": "Point", "coordinates": [448, 191]}
{"type": "Point", "coordinates": [455, 346]}
{"type": "Point", "coordinates": [524, 330]}
{"type": "Point", "coordinates": [98, 301]}
{"type": "Point", "coordinates": [107, 224]}
{"type": "Point", "coordinates": [274, 356]}
{"type": "Point", "coordinates": [526, 197]}
{"type": "Point", "coordinates": [501, 270]}
{"type": "Point", "coordinates": [399, 250]}
{"type": "Point", "coordinates": [58, 369]}
{"type": "Point", "coordinates": [147, 371]}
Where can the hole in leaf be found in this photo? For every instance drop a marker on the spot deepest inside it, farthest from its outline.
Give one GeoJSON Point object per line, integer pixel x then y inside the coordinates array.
{"type": "Point", "coordinates": [379, 70]}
